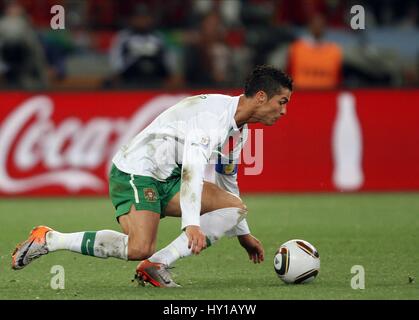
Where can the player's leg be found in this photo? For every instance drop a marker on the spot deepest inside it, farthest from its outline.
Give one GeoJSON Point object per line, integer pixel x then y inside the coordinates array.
{"type": "Point", "coordinates": [213, 198]}
{"type": "Point", "coordinates": [141, 228]}
{"type": "Point", "coordinates": [138, 241]}
{"type": "Point", "coordinates": [220, 212]}
{"type": "Point", "coordinates": [139, 215]}
{"type": "Point", "coordinates": [43, 240]}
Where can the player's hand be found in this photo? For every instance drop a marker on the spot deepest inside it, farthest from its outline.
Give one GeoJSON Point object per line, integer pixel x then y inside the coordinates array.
{"type": "Point", "coordinates": [253, 247]}
{"type": "Point", "coordinates": [197, 239]}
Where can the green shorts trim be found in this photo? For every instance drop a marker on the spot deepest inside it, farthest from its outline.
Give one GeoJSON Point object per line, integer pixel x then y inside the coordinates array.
{"type": "Point", "coordinates": [145, 193]}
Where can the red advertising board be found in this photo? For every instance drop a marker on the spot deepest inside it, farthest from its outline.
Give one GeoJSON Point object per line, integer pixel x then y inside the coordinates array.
{"type": "Point", "coordinates": [62, 143]}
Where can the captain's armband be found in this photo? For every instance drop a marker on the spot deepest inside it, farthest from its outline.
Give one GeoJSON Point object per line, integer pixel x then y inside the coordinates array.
{"type": "Point", "coordinates": [224, 167]}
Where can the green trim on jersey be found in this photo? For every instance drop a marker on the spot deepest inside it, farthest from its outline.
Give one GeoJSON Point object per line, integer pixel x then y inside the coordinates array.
{"type": "Point", "coordinates": [145, 193]}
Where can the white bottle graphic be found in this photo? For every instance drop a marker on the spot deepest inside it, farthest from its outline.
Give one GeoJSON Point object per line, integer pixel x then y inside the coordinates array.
{"type": "Point", "coordinates": [347, 146]}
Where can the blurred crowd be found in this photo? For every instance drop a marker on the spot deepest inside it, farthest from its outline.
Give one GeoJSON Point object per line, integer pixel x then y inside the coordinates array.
{"type": "Point", "coordinates": [171, 44]}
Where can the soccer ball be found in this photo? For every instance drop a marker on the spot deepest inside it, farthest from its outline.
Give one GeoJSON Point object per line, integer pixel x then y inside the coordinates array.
{"type": "Point", "coordinates": [297, 261]}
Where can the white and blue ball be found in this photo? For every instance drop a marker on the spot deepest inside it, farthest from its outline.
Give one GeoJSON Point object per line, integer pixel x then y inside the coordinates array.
{"type": "Point", "coordinates": [297, 261]}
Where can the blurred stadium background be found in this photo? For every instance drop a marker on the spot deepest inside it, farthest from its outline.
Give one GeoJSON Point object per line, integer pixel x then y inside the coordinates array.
{"type": "Point", "coordinates": [69, 98]}
{"type": "Point", "coordinates": [200, 43]}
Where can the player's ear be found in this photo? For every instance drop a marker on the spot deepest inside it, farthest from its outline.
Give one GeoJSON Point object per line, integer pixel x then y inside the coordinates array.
{"type": "Point", "coordinates": [261, 97]}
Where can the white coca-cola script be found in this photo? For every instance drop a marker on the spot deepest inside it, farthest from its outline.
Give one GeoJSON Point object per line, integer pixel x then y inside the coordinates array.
{"type": "Point", "coordinates": [68, 151]}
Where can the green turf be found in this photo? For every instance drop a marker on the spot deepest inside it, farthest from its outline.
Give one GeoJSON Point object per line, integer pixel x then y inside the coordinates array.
{"type": "Point", "coordinates": [378, 231]}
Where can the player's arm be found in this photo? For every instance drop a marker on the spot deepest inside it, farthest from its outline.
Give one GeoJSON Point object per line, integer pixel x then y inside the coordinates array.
{"type": "Point", "coordinates": [226, 178]}
{"type": "Point", "coordinates": [199, 142]}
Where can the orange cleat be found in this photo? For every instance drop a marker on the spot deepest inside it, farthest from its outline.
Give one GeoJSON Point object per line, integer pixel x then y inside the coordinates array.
{"type": "Point", "coordinates": [31, 249]}
{"type": "Point", "coordinates": [155, 273]}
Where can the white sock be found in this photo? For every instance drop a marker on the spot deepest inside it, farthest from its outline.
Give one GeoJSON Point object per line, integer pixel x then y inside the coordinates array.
{"type": "Point", "coordinates": [102, 244]}
{"type": "Point", "coordinates": [214, 224]}
{"type": "Point", "coordinates": [174, 251]}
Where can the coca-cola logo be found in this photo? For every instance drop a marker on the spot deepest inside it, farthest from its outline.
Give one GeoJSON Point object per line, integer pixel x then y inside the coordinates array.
{"type": "Point", "coordinates": [70, 151]}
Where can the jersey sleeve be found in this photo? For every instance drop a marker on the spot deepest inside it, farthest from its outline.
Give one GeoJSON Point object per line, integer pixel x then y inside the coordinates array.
{"type": "Point", "coordinates": [227, 163]}
{"type": "Point", "coordinates": [229, 183]}
{"type": "Point", "coordinates": [226, 178]}
{"type": "Point", "coordinates": [203, 133]}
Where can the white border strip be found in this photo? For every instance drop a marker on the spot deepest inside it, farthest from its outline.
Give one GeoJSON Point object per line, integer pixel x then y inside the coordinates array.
{"type": "Point", "coordinates": [137, 199]}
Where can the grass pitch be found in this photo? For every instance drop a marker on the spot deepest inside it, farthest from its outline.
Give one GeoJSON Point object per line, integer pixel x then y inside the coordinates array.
{"type": "Point", "coordinates": [378, 231]}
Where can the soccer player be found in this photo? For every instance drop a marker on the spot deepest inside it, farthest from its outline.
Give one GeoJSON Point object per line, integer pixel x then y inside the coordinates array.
{"type": "Point", "coordinates": [160, 172]}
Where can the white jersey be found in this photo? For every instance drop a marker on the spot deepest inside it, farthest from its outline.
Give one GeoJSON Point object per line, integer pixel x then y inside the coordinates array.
{"type": "Point", "coordinates": [187, 133]}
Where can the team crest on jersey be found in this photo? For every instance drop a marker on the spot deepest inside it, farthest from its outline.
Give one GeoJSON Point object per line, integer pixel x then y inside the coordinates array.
{"type": "Point", "coordinates": [150, 194]}
{"type": "Point", "coordinates": [205, 141]}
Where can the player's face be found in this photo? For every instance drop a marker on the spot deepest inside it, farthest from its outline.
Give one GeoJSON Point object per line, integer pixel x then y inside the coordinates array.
{"type": "Point", "coordinates": [274, 108]}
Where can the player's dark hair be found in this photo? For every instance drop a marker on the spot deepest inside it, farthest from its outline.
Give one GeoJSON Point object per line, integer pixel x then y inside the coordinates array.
{"type": "Point", "coordinates": [268, 79]}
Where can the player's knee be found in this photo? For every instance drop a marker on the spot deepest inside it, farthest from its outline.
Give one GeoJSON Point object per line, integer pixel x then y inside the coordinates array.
{"type": "Point", "coordinates": [238, 203]}
{"type": "Point", "coordinates": [234, 201]}
{"type": "Point", "coordinates": [242, 209]}
{"type": "Point", "coordinates": [140, 252]}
